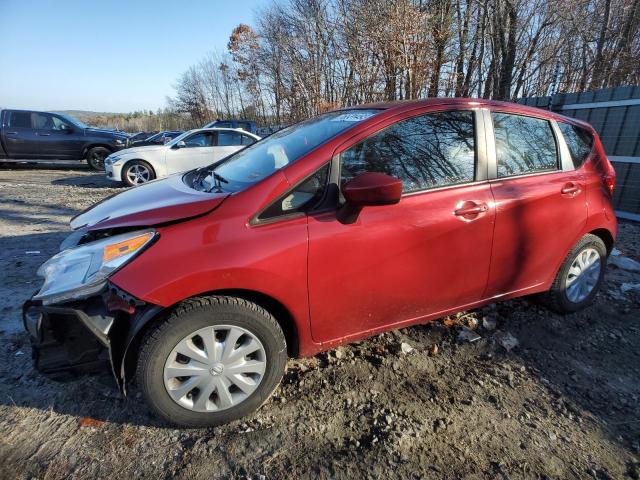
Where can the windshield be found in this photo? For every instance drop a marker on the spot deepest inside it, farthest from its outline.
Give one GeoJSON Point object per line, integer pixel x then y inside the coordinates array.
{"type": "Point", "coordinates": [252, 164]}
{"type": "Point", "coordinates": [73, 121]}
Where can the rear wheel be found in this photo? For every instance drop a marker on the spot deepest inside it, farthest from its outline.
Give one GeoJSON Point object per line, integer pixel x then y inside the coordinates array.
{"type": "Point", "coordinates": [216, 359]}
{"type": "Point", "coordinates": [96, 156]}
{"type": "Point", "coordinates": [137, 172]}
{"type": "Point", "coordinates": [579, 277]}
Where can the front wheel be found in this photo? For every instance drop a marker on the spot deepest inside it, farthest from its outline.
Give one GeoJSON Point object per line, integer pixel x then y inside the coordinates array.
{"type": "Point", "coordinates": [96, 156]}
{"type": "Point", "coordinates": [137, 172]}
{"type": "Point", "coordinates": [580, 276]}
{"type": "Point", "coordinates": [214, 360]}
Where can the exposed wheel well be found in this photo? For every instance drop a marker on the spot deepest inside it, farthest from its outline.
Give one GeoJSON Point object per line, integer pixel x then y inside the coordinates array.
{"type": "Point", "coordinates": [605, 236]}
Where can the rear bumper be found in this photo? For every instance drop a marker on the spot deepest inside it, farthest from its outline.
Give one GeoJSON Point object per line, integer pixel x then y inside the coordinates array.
{"type": "Point", "coordinates": [87, 335]}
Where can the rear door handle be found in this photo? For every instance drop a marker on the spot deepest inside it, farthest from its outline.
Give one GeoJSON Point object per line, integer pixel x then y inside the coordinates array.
{"type": "Point", "coordinates": [11, 133]}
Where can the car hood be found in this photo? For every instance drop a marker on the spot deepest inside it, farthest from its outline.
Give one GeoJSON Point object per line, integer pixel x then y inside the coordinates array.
{"type": "Point", "coordinates": [106, 133]}
{"type": "Point", "coordinates": [143, 149]}
{"type": "Point", "coordinates": [152, 203]}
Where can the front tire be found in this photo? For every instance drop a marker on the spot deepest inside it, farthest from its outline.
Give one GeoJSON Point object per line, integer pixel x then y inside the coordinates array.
{"type": "Point", "coordinates": [580, 276]}
{"type": "Point", "coordinates": [96, 156]}
{"type": "Point", "coordinates": [214, 360]}
{"type": "Point", "coordinates": [137, 172]}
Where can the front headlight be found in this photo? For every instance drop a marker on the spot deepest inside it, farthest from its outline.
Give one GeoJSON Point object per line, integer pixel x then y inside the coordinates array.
{"type": "Point", "coordinates": [82, 271]}
{"type": "Point", "coordinates": [120, 142]}
{"type": "Point", "coordinates": [111, 159]}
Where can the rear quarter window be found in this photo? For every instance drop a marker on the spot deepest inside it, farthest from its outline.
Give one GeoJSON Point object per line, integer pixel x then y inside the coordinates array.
{"type": "Point", "coordinates": [579, 141]}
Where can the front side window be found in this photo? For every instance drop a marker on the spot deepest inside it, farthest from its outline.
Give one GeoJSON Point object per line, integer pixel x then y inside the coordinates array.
{"type": "Point", "coordinates": [523, 145]}
{"type": "Point", "coordinates": [42, 121]}
{"type": "Point", "coordinates": [579, 141]}
{"type": "Point", "coordinates": [201, 139]}
{"type": "Point", "coordinates": [429, 151]}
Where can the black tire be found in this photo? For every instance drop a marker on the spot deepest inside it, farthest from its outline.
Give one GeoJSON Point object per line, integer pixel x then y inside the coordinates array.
{"type": "Point", "coordinates": [95, 157]}
{"type": "Point", "coordinates": [556, 298]}
{"type": "Point", "coordinates": [133, 164]}
{"type": "Point", "coordinates": [188, 317]}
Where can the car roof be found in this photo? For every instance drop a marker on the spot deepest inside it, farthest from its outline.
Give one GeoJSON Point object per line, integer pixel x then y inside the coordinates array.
{"type": "Point", "coordinates": [399, 106]}
{"type": "Point", "coordinates": [225, 129]}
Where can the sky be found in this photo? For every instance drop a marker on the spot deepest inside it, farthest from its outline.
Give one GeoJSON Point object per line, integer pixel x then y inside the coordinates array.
{"type": "Point", "coordinates": [107, 55]}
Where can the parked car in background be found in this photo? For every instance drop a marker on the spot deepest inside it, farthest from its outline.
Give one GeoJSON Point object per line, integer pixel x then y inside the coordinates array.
{"type": "Point", "coordinates": [246, 125]}
{"type": "Point", "coordinates": [31, 135]}
{"type": "Point", "coordinates": [355, 222]}
{"type": "Point", "coordinates": [190, 150]}
{"type": "Point", "coordinates": [159, 138]}
{"type": "Point", "coordinates": [134, 137]}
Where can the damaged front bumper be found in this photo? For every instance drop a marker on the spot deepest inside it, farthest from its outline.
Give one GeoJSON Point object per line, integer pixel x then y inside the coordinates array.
{"type": "Point", "coordinates": [87, 335]}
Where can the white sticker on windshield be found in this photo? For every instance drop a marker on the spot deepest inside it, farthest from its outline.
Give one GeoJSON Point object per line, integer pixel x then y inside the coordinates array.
{"type": "Point", "coordinates": [353, 116]}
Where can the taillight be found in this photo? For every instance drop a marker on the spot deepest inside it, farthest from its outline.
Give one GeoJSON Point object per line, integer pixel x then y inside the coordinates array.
{"type": "Point", "coordinates": [609, 175]}
{"type": "Point", "coordinates": [610, 183]}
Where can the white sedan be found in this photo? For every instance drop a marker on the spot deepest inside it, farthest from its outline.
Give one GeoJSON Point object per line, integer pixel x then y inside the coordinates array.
{"type": "Point", "coordinates": [192, 149]}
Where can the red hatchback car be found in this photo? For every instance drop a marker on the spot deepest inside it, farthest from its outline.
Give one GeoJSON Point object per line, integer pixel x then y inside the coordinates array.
{"type": "Point", "coordinates": [357, 221]}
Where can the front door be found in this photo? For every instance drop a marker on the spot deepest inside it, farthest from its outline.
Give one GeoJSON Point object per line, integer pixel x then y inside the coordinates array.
{"type": "Point", "coordinates": [199, 150]}
{"type": "Point", "coordinates": [427, 254]}
{"type": "Point", "coordinates": [56, 138]}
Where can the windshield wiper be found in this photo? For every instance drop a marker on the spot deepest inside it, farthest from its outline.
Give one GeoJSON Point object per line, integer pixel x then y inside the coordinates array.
{"type": "Point", "coordinates": [218, 181]}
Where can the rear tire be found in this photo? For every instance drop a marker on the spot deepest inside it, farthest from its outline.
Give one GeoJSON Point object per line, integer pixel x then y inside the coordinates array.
{"type": "Point", "coordinates": [137, 172]}
{"type": "Point", "coordinates": [579, 278]}
{"type": "Point", "coordinates": [159, 361]}
{"type": "Point", "coordinates": [96, 156]}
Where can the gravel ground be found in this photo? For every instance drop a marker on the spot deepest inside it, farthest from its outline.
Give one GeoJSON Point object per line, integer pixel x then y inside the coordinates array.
{"type": "Point", "coordinates": [537, 395]}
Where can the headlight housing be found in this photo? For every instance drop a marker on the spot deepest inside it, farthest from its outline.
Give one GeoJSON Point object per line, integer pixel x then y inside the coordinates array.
{"type": "Point", "coordinates": [81, 271]}
{"type": "Point", "coordinates": [111, 159]}
{"type": "Point", "coordinates": [121, 142]}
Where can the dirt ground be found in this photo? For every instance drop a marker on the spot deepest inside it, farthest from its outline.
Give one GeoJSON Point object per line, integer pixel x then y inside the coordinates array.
{"type": "Point", "coordinates": [562, 403]}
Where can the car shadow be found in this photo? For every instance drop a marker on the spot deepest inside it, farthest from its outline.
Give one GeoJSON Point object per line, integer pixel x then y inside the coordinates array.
{"type": "Point", "coordinates": [97, 180]}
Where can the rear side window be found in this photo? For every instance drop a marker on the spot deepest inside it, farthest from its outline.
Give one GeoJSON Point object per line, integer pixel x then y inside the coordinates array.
{"type": "Point", "coordinates": [227, 139]}
{"type": "Point", "coordinates": [424, 152]}
{"type": "Point", "coordinates": [579, 141]}
{"type": "Point", "coordinates": [247, 140]}
{"type": "Point", "coordinates": [523, 145]}
{"type": "Point", "coordinates": [20, 120]}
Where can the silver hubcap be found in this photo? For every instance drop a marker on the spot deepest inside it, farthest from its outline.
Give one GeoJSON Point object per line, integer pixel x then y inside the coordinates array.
{"type": "Point", "coordinates": [214, 368]}
{"type": "Point", "coordinates": [138, 174]}
{"type": "Point", "coordinates": [583, 275]}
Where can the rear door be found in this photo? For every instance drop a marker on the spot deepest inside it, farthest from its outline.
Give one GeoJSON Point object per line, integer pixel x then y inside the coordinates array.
{"type": "Point", "coordinates": [19, 134]}
{"type": "Point", "coordinates": [540, 201]}
{"type": "Point", "coordinates": [230, 141]}
{"type": "Point", "coordinates": [427, 254]}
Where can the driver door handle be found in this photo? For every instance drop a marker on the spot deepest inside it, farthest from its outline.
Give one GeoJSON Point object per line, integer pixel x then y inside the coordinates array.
{"type": "Point", "coordinates": [43, 134]}
{"type": "Point", "coordinates": [471, 210]}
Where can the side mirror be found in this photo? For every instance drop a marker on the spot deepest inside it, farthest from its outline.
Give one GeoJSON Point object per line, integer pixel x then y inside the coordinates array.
{"type": "Point", "coordinates": [180, 144]}
{"type": "Point", "coordinates": [368, 189]}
